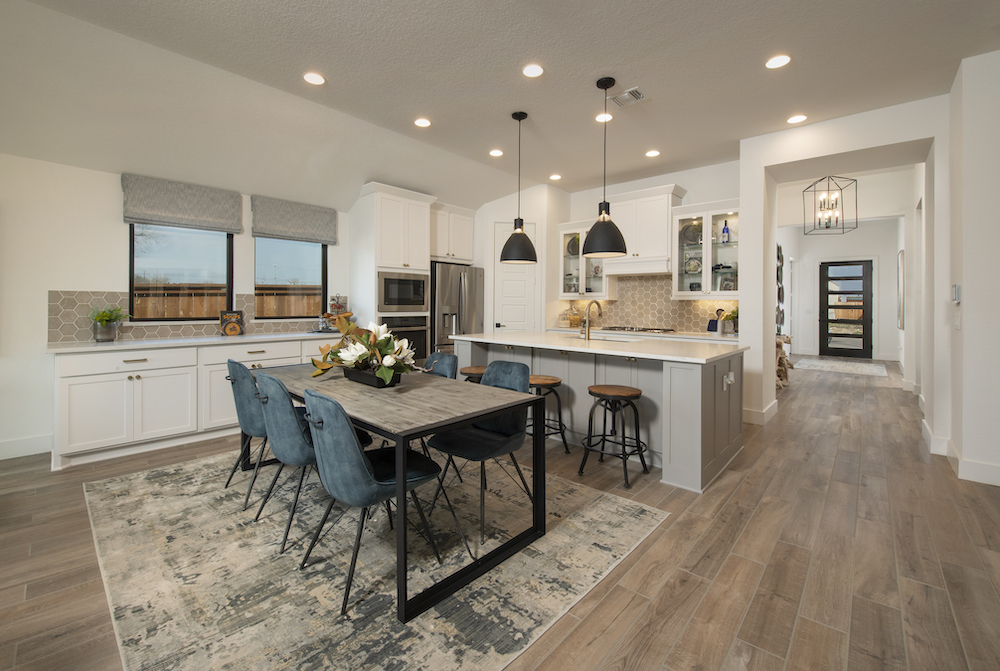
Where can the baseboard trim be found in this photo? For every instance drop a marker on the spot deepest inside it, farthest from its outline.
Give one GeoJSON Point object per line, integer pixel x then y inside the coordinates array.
{"type": "Point", "coordinates": [60, 462]}
{"type": "Point", "coordinates": [936, 444]}
{"type": "Point", "coordinates": [760, 417]}
{"type": "Point", "coordinates": [23, 447]}
{"type": "Point", "coordinates": [978, 471]}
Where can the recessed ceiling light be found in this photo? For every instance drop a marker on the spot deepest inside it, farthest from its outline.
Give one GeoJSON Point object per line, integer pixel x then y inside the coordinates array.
{"type": "Point", "coordinates": [532, 70]}
{"type": "Point", "coordinates": [423, 123]}
{"type": "Point", "coordinates": [555, 176]}
{"type": "Point", "coordinates": [314, 78]}
{"type": "Point", "coordinates": [496, 152]}
{"type": "Point", "coordinates": [604, 117]}
{"type": "Point", "coordinates": [778, 62]}
{"type": "Point", "coordinates": [652, 152]}
{"type": "Point", "coordinates": [730, 213]}
{"type": "Point", "coordinates": [798, 118]}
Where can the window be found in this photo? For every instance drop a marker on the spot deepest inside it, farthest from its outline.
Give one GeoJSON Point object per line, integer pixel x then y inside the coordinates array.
{"type": "Point", "coordinates": [180, 273]}
{"type": "Point", "coordinates": [290, 278]}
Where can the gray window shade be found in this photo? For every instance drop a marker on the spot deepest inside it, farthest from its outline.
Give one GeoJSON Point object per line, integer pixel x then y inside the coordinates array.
{"type": "Point", "coordinates": [158, 201]}
{"type": "Point", "coordinates": [273, 218]}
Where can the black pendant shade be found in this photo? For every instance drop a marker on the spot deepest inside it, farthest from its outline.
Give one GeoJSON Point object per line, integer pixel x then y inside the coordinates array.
{"type": "Point", "coordinates": [604, 240]}
{"type": "Point", "coordinates": [518, 248]}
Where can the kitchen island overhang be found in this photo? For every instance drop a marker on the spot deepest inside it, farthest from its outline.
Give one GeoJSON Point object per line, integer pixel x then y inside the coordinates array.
{"type": "Point", "coordinates": [691, 409]}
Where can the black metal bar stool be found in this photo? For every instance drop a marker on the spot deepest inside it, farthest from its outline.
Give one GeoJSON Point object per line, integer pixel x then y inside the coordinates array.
{"type": "Point", "coordinates": [473, 373]}
{"type": "Point", "coordinates": [544, 385]}
{"type": "Point", "coordinates": [614, 399]}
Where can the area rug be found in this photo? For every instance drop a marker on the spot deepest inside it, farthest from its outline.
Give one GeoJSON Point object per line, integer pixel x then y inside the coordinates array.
{"type": "Point", "coordinates": [194, 583]}
{"type": "Point", "coordinates": [852, 367]}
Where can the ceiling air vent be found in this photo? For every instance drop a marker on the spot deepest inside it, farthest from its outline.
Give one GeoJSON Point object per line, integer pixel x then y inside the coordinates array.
{"type": "Point", "coordinates": [629, 97]}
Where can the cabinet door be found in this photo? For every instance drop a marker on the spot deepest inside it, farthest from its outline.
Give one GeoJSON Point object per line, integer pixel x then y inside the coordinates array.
{"type": "Point", "coordinates": [166, 402]}
{"type": "Point", "coordinates": [576, 400]}
{"type": "Point", "coordinates": [724, 268]}
{"type": "Point", "coordinates": [461, 238]}
{"type": "Point", "coordinates": [417, 252]}
{"type": "Point", "coordinates": [391, 226]}
{"type": "Point", "coordinates": [94, 411]}
{"type": "Point", "coordinates": [652, 227]}
{"type": "Point", "coordinates": [618, 370]}
{"type": "Point", "coordinates": [624, 216]}
{"type": "Point", "coordinates": [689, 276]}
{"type": "Point", "coordinates": [440, 234]}
{"type": "Point", "coordinates": [217, 408]}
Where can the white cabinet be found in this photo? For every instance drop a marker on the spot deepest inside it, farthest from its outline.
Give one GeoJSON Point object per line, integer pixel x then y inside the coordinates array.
{"type": "Point", "coordinates": [644, 218]}
{"type": "Point", "coordinates": [403, 233]}
{"type": "Point", "coordinates": [218, 409]}
{"type": "Point", "coordinates": [118, 398]}
{"type": "Point", "coordinates": [647, 376]}
{"type": "Point", "coordinates": [582, 278]}
{"type": "Point", "coordinates": [451, 234]}
{"type": "Point", "coordinates": [706, 264]}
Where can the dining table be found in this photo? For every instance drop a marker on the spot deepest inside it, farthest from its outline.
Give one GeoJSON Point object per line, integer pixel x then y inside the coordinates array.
{"type": "Point", "coordinates": [422, 404]}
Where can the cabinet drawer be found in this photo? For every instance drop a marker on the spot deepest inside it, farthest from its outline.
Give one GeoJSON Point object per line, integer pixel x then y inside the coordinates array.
{"type": "Point", "coordinates": [250, 351]}
{"type": "Point", "coordinates": [71, 365]}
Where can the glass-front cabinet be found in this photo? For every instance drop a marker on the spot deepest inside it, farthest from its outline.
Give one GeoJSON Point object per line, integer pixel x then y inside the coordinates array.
{"type": "Point", "coordinates": [581, 277]}
{"type": "Point", "coordinates": [707, 239]}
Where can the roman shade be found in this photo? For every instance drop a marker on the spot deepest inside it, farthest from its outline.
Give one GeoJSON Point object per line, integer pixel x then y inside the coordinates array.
{"type": "Point", "coordinates": [158, 201]}
{"type": "Point", "coordinates": [273, 218]}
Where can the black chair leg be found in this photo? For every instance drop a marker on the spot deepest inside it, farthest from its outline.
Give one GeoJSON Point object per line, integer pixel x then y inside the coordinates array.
{"type": "Point", "coordinates": [270, 490]}
{"type": "Point", "coordinates": [482, 503]}
{"type": "Point", "coordinates": [427, 528]}
{"type": "Point", "coordinates": [527, 490]}
{"type": "Point", "coordinates": [354, 559]}
{"type": "Point", "coordinates": [256, 469]}
{"type": "Point", "coordinates": [244, 448]}
{"type": "Point", "coordinates": [319, 530]}
{"type": "Point", "coordinates": [291, 513]}
{"type": "Point", "coordinates": [587, 441]}
{"type": "Point", "coordinates": [562, 427]}
{"type": "Point", "coordinates": [638, 441]}
{"type": "Point", "coordinates": [457, 524]}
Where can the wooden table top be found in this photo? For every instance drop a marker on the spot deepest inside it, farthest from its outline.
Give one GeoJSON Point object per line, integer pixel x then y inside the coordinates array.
{"type": "Point", "coordinates": [418, 405]}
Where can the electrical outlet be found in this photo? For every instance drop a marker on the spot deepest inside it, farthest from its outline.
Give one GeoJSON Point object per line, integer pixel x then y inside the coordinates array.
{"type": "Point", "coordinates": [958, 320]}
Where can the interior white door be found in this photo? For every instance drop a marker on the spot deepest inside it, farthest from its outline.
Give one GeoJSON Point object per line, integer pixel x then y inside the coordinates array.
{"type": "Point", "coordinates": [513, 285]}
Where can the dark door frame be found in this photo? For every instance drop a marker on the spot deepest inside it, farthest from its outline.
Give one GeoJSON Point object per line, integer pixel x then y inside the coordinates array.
{"type": "Point", "coordinates": [867, 318]}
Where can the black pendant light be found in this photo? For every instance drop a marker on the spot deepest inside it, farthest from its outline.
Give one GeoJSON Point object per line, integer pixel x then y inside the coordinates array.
{"type": "Point", "coordinates": [518, 248]}
{"type": "Point", "coordinates": [604, 240]}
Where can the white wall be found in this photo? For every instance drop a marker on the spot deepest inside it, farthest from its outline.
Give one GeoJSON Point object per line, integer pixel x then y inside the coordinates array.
{"type": "Point", "coordinates": [61, 229]}
{"type": "Point", "coordinates": [876, 241]}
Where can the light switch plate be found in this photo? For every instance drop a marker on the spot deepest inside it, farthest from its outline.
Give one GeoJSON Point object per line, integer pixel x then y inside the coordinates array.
{"type": "Point", "coordinates": [958, 320]}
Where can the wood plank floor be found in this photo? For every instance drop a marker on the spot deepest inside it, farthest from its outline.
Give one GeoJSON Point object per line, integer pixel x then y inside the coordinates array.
{"type": "Point", "coordinates": [833, 541]}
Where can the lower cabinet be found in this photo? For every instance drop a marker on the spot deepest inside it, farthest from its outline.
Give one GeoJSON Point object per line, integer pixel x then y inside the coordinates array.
{"type": "Point", "coordinates": [645, 375]}
{"type": "Point", "coordinates": [722, 414]}
{"type": "Point", "coordinates": [119, 408]}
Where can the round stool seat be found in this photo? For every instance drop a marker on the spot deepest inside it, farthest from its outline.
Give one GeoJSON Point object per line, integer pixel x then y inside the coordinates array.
{"type": "Point", "coordinates": [544, 381]}
{"type": "Point", "coordinates": [473, 370]}
{"type": "Point", "coordinates": [614, 391]}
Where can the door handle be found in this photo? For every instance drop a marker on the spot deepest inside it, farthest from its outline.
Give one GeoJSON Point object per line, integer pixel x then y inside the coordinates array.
{"type": "Point", "coordinates": [501, 326]}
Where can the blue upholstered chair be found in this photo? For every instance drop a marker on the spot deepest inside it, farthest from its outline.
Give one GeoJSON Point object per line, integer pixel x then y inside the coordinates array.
{"type": "Point", "coordinates": [492, 437]}
{"type": "Point", "coordinates": [251, 419]}
{"type": "Point", "coordinates": [291, 441]}
{"type": "Point", "coordinates": [358, 478]}
{"type": "Point", "coordinates": [443, 364]}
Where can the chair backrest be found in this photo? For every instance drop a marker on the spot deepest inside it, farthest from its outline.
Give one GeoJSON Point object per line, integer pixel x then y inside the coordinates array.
{"type": "Point", "coordinates": [506, 375]}
{"type": "Point", "coordinates": [287, 431]}
{"type": "Point", "coordinates": [343, 468]}
{"type": "Point", "coordinates": [443, 364]}
{"type": "Point", "coordinates": [248, 410]}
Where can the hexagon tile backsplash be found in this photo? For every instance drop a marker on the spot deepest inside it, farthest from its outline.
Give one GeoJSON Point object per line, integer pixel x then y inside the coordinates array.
{"type": "Point", "coordinates": [647, 301]}
{"type": "Point", "coordinates": [69, 319]}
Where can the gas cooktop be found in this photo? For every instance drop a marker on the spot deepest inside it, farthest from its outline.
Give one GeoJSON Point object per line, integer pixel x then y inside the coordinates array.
{"type": "Point", "coordinates": [636, 329]}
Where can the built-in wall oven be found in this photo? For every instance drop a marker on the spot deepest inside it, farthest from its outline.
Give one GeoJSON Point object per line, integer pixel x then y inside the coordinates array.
{"type": "Point", "coordinates": [415, 329]}
{"type": "Point", "coordinates": [403, 292]}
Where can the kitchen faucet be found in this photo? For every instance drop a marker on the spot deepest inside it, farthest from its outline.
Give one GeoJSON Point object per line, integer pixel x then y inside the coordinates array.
{"type": "Point", "coordinates": [586, 318]}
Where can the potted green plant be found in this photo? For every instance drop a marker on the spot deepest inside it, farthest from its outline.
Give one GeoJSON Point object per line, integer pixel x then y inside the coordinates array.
{"type": "Point", "coordinates": [105, 322]}
{"type": "Point", "coordinates": [734, 317]}
{"type": "Point", "coordinates": [372, 356]}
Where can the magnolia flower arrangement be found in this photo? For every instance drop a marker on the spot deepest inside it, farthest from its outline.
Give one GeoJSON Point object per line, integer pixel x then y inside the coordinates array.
{"type": "Point", "coordinates": [374, 349]}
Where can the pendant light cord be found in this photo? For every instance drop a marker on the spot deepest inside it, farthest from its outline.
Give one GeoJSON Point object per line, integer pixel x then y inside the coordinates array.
{"type": "Point", "coordinates": [518, 168]}
{"type": "Point", "coordinates": [606, 121]}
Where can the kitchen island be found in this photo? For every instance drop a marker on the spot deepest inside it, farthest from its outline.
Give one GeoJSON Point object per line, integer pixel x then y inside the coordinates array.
{"type": "Point", "coordinates": [691, 410]}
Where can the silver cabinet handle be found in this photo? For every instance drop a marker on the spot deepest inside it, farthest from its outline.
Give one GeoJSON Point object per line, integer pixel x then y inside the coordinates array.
{"type": "Point", "coordinates": [134, 360]}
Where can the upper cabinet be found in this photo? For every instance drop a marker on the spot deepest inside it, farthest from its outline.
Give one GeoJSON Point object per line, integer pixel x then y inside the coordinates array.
{"type": "Point", "coordinates": [706, 263]}
{"type": "Point", "coordinates": [581, 277]}
{"type": "Point", "coordinates": [393, 223]}
{"type": "Point", "coordinates": [643, 217]}
{"type": "Point", "coordinates": [451, 234]}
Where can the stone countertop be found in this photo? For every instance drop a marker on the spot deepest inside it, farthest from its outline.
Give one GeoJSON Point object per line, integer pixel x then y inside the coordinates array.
{"type": "Point", "coordinates": [619, 344]}
{"type": "Point", "coordinates": [202, 341]}
{"type": "Point", "coordinates": [707, 336]}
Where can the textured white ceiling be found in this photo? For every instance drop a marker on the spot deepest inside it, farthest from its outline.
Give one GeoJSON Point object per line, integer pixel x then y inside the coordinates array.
{"type": "Point", "coordinates": [458, 62]}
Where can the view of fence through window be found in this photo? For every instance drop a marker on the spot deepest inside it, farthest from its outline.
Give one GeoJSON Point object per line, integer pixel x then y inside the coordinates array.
{"type": "Point", "coordinates": [178, 273]}
{"type": "Point", "coordinates": [289, 278]}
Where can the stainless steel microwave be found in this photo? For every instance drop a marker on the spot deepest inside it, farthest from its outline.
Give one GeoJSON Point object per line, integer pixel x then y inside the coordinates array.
{"type": "Point", "coordinates": [403, 292]}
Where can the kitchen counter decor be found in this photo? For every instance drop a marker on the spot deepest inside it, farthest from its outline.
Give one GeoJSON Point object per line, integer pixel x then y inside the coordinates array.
{"type": "Point", "coordinates": [371, 356]}
{"type": "Point", "coordinates": [106, 323]}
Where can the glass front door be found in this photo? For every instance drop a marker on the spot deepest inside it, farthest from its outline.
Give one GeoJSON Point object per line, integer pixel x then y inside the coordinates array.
{"type": "Point", "coordinates": [845, 298]}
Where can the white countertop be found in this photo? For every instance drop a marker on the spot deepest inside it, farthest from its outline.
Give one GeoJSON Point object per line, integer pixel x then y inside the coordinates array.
{"type": "Point", "coordinates": [202, 341]}
{"type": "Point", "coordinates": [707, 336]}
{"type": "Point", "coordinates": [623, 345]}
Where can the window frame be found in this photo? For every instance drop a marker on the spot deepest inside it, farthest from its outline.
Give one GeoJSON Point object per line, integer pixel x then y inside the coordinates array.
{"type": "Point", "coordinates": [131, 281]}
{"type": "Point", "coordinates": [324, 278]}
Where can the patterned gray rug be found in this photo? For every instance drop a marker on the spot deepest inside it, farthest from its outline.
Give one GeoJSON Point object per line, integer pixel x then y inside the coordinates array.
{"type": "Point", "coordinates": [194, 583]}
{"type": "Point", "coordinates": [847, 366]}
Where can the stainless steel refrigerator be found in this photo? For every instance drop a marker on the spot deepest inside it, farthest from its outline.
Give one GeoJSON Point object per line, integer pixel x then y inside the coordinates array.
{"type": "Point", "coordinates": [456, 303]}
